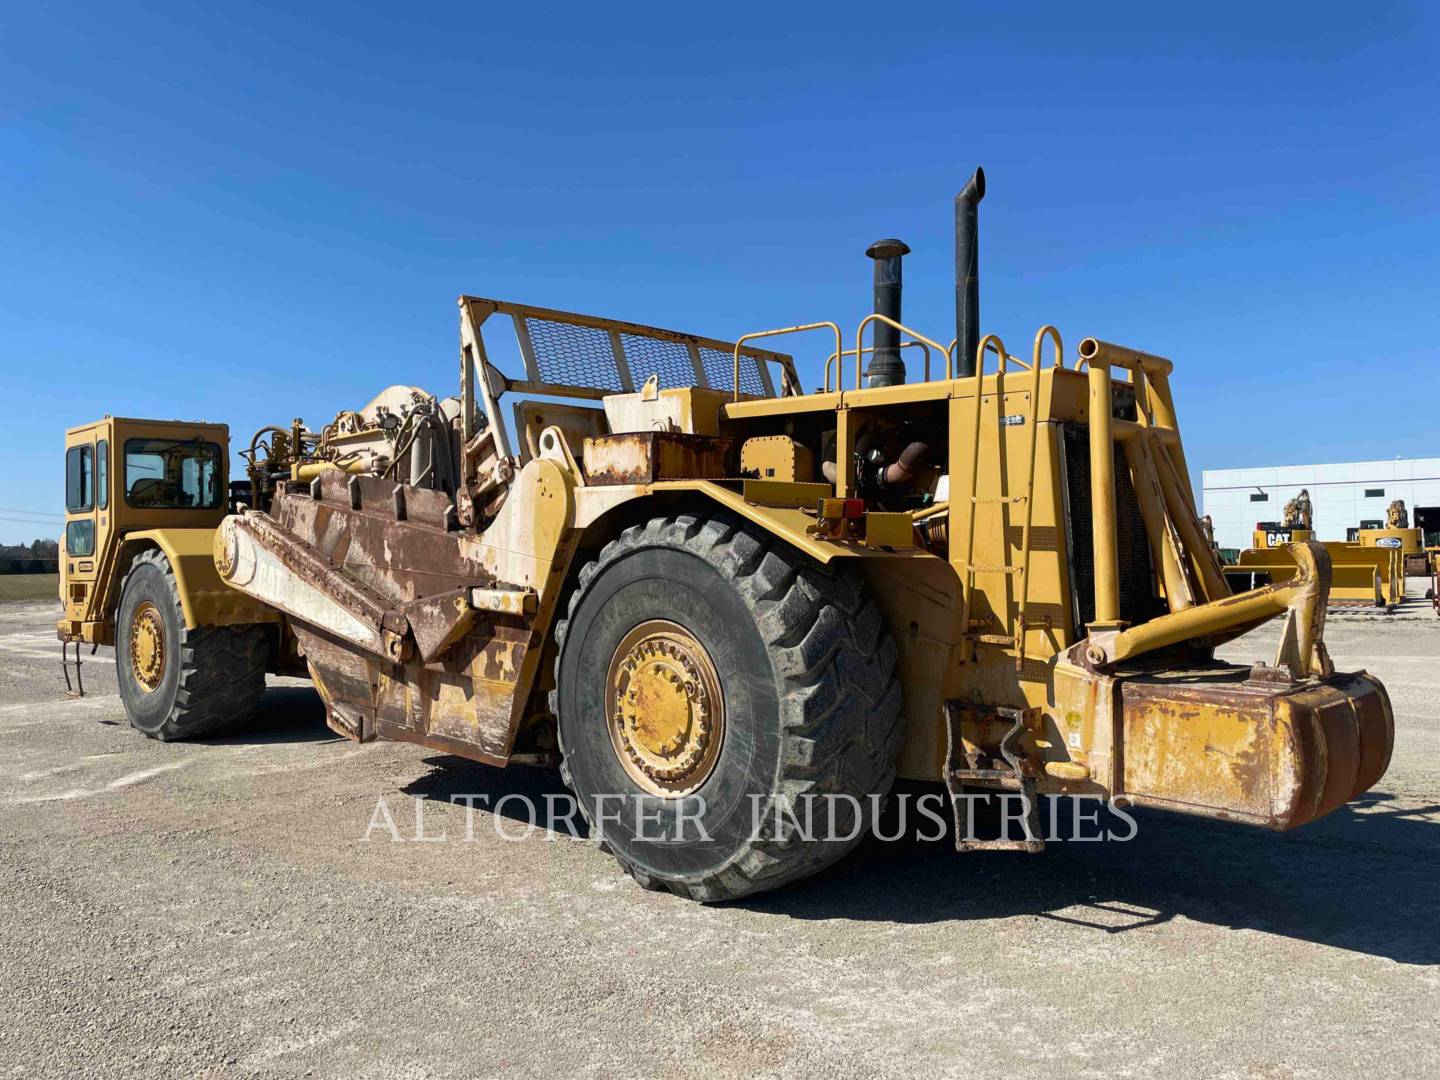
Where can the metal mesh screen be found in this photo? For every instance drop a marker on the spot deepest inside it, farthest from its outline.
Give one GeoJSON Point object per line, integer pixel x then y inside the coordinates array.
{"type": "Point", "coordinates": [720, 370]}
{"type": "Point", "coordinates": [569, 354]}
{"type": "Point", "coordinates": [573, 355]}
{"type": "Point", "coordinates": [648, 356]}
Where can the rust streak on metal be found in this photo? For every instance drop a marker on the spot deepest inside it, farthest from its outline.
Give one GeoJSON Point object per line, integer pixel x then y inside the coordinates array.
{"type": "Point", "coordinates": [647, 456]}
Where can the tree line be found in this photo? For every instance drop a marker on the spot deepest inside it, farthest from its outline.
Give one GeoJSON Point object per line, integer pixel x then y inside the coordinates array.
{"type": "Point", "coordinates": [36, 557]}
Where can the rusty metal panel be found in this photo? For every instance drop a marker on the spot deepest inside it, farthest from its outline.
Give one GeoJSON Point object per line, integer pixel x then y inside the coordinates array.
{"type": "Point", "coordinates": [439, 621]}
{"type": "Point", "coordinates": [1208, 750]}
{"type": "Point", "coordinates": [647, 456]}
{"type": "Point", "coordinates": [476, 606]}
{"type": "Point", "coordinates": [1353, 719]}
{"type": "Point", "coordinates": [353, 525]}
{"type": "Point", "coordinates": [1222, 743]}
{"type": "Point", "coordinates": [343, 679]}
{"type": "Point", "coordinates": [260, 557]}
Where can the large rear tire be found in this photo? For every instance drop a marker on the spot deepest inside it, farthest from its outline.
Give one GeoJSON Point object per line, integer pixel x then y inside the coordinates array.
{"type": "Point", "coordinates": [710, 672]}
{"type": "Point", "coordinates": [179, 683]}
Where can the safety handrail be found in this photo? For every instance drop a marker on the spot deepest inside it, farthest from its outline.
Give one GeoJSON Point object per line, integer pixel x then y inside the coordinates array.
{"type": "Point", "coordinates": [830, 361]}
{"type": "Point", "coordinates": [950, 351]}
{"type": "Point", "coordinates": [1093, 350]}
{"type": "Point", "coordinates": [877, 317]}
{"type": "Point", "coordinates": [1050, 331]}
{"type": "Point", "coordinates": [1036, 363]}
{"type": "Point", "coordinates": [776, 333]}
{"type": "Point", "coordinates": [992, 342]}
{"type": "Point", "coordinates": [987, 342]}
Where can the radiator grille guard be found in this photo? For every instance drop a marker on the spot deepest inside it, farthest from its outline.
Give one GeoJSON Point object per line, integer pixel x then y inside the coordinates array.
{"type": "Point", "coordinates": [1138, 602]}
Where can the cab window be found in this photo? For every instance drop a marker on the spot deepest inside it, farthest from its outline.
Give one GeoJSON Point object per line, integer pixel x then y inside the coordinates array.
{"type": "Point", "coordinates": [80, 537]}
{"type": "Point", "coordinates": [79, 478]}
{"type": "Point", "coordinates": [172, 474]}
{"type": "Point", "coordinates": [102, 474]}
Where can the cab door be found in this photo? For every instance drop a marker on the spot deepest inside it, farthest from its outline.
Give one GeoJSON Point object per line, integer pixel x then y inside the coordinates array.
{"type": "Point", "coordinates": [87, 521]}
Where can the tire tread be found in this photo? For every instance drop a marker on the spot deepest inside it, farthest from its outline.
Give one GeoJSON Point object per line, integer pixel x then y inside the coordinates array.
{"type": "Point", "coordinates": [839, 698]}
{"type": "Point", "coordinates": [222, 668]}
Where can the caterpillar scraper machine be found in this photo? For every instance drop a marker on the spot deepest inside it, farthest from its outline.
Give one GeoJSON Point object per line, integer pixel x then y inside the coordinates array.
{"type": "Point", "coordinates": [697, 587]}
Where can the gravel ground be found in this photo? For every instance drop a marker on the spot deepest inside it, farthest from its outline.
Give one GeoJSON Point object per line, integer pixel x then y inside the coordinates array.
{"type": "Point", "coordinates": [212, 909]}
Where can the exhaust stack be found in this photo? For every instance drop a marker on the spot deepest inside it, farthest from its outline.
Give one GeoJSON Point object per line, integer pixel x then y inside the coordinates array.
{"type": "Point", "coordinates": [967, 273]}
{"type": "Point", "coordinates": [886, 368]}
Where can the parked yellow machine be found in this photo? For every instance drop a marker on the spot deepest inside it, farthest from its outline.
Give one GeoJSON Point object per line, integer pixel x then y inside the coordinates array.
{"type": "Point", "coordinates": [696, 587]}
{"type": "Point", "coordinates": [1360, 575]}
{"type": "Point", "coordinates": [1433, 592]}
{"type": "Point", "coordinates": [136, 566]}
{"type": "Point", "coordinates": [1406, 544]}
{"type": "Point", "coordinates": [1395, 533]}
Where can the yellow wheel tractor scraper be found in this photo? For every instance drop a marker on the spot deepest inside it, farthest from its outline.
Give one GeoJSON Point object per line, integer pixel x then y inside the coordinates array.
{"type": "Point", "coordinates": [708, 595]}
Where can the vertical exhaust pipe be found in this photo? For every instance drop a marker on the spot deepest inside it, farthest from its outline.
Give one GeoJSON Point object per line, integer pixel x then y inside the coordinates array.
{"type": "Point", "coordinates": [967, 273]}
{"type": "Point", "coordinates": [886, 368]}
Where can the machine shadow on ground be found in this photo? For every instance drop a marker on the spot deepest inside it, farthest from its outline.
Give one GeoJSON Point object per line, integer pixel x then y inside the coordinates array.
{"type": "Point", "coordinates": [1362, 879]}
{"type": "Point", "coordinates": [287, 714]}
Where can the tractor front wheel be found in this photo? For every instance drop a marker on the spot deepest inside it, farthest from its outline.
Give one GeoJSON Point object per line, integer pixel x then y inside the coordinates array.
{"type": "Point", "coordinates": [176, 682]}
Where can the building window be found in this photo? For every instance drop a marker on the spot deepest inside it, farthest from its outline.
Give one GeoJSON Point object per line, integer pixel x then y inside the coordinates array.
{"type": "Point", "coordinates": [1259, 496]}
{"type": "Point", "coordinates": [1374, 493]}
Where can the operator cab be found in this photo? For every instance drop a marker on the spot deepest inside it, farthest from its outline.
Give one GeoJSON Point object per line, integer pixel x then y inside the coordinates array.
{"type": "Point", "coordinates": [124, 476]}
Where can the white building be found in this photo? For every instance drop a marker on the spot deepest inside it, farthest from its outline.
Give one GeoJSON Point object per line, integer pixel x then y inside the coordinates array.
{"type": "Point", "coordinates": [1344, 496]}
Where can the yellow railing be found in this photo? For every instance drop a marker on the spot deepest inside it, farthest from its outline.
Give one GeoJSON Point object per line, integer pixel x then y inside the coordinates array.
{"type": "Point", "coordinates": [950, 352]}
{"type": "Point", "coordinates": [834, 363]}
{"type": "Point", "coordinates": [992, 342]}
{"type": "Point", "coordinates": [917, 337]}
{"type": "Point", "coordinates": [754, 335]}
{"type": "Point", "coordinates": [830, 362]}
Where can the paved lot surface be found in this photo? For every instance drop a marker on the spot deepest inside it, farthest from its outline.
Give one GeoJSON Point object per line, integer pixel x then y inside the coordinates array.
{"type": "Point", "coordinates": [210, 909]}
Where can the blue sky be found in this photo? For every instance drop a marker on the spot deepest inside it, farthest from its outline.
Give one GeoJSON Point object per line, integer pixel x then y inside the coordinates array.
{"type": "Point", "coordinates": [253, 212]}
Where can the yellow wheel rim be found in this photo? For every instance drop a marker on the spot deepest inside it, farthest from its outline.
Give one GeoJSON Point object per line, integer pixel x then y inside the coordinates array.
{"type": "Point", "coordinates": [147, 647]}
{"type": "Point", "coordinates": [664, 708]}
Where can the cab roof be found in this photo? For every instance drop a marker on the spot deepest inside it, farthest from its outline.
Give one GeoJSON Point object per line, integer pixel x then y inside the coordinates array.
{"type": "Point", "coordinates": [189, 425]}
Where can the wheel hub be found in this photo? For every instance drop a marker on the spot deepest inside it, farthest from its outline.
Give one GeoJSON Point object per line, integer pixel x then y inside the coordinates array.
{"type": "Point", "coordinates": [665, 710]}
{"type": "Point", "coordinates": [147, 647]}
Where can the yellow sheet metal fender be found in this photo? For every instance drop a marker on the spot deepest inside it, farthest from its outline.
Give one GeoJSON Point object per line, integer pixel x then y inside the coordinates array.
{"type": "Point", "coordinates": [205, 600]}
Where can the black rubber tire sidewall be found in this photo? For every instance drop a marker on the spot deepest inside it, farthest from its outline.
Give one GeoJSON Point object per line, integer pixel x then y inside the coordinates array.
{"type": "Point", "coordinates": [673, 584]}
{"type": "Point", "coordinates": [148, 711]}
